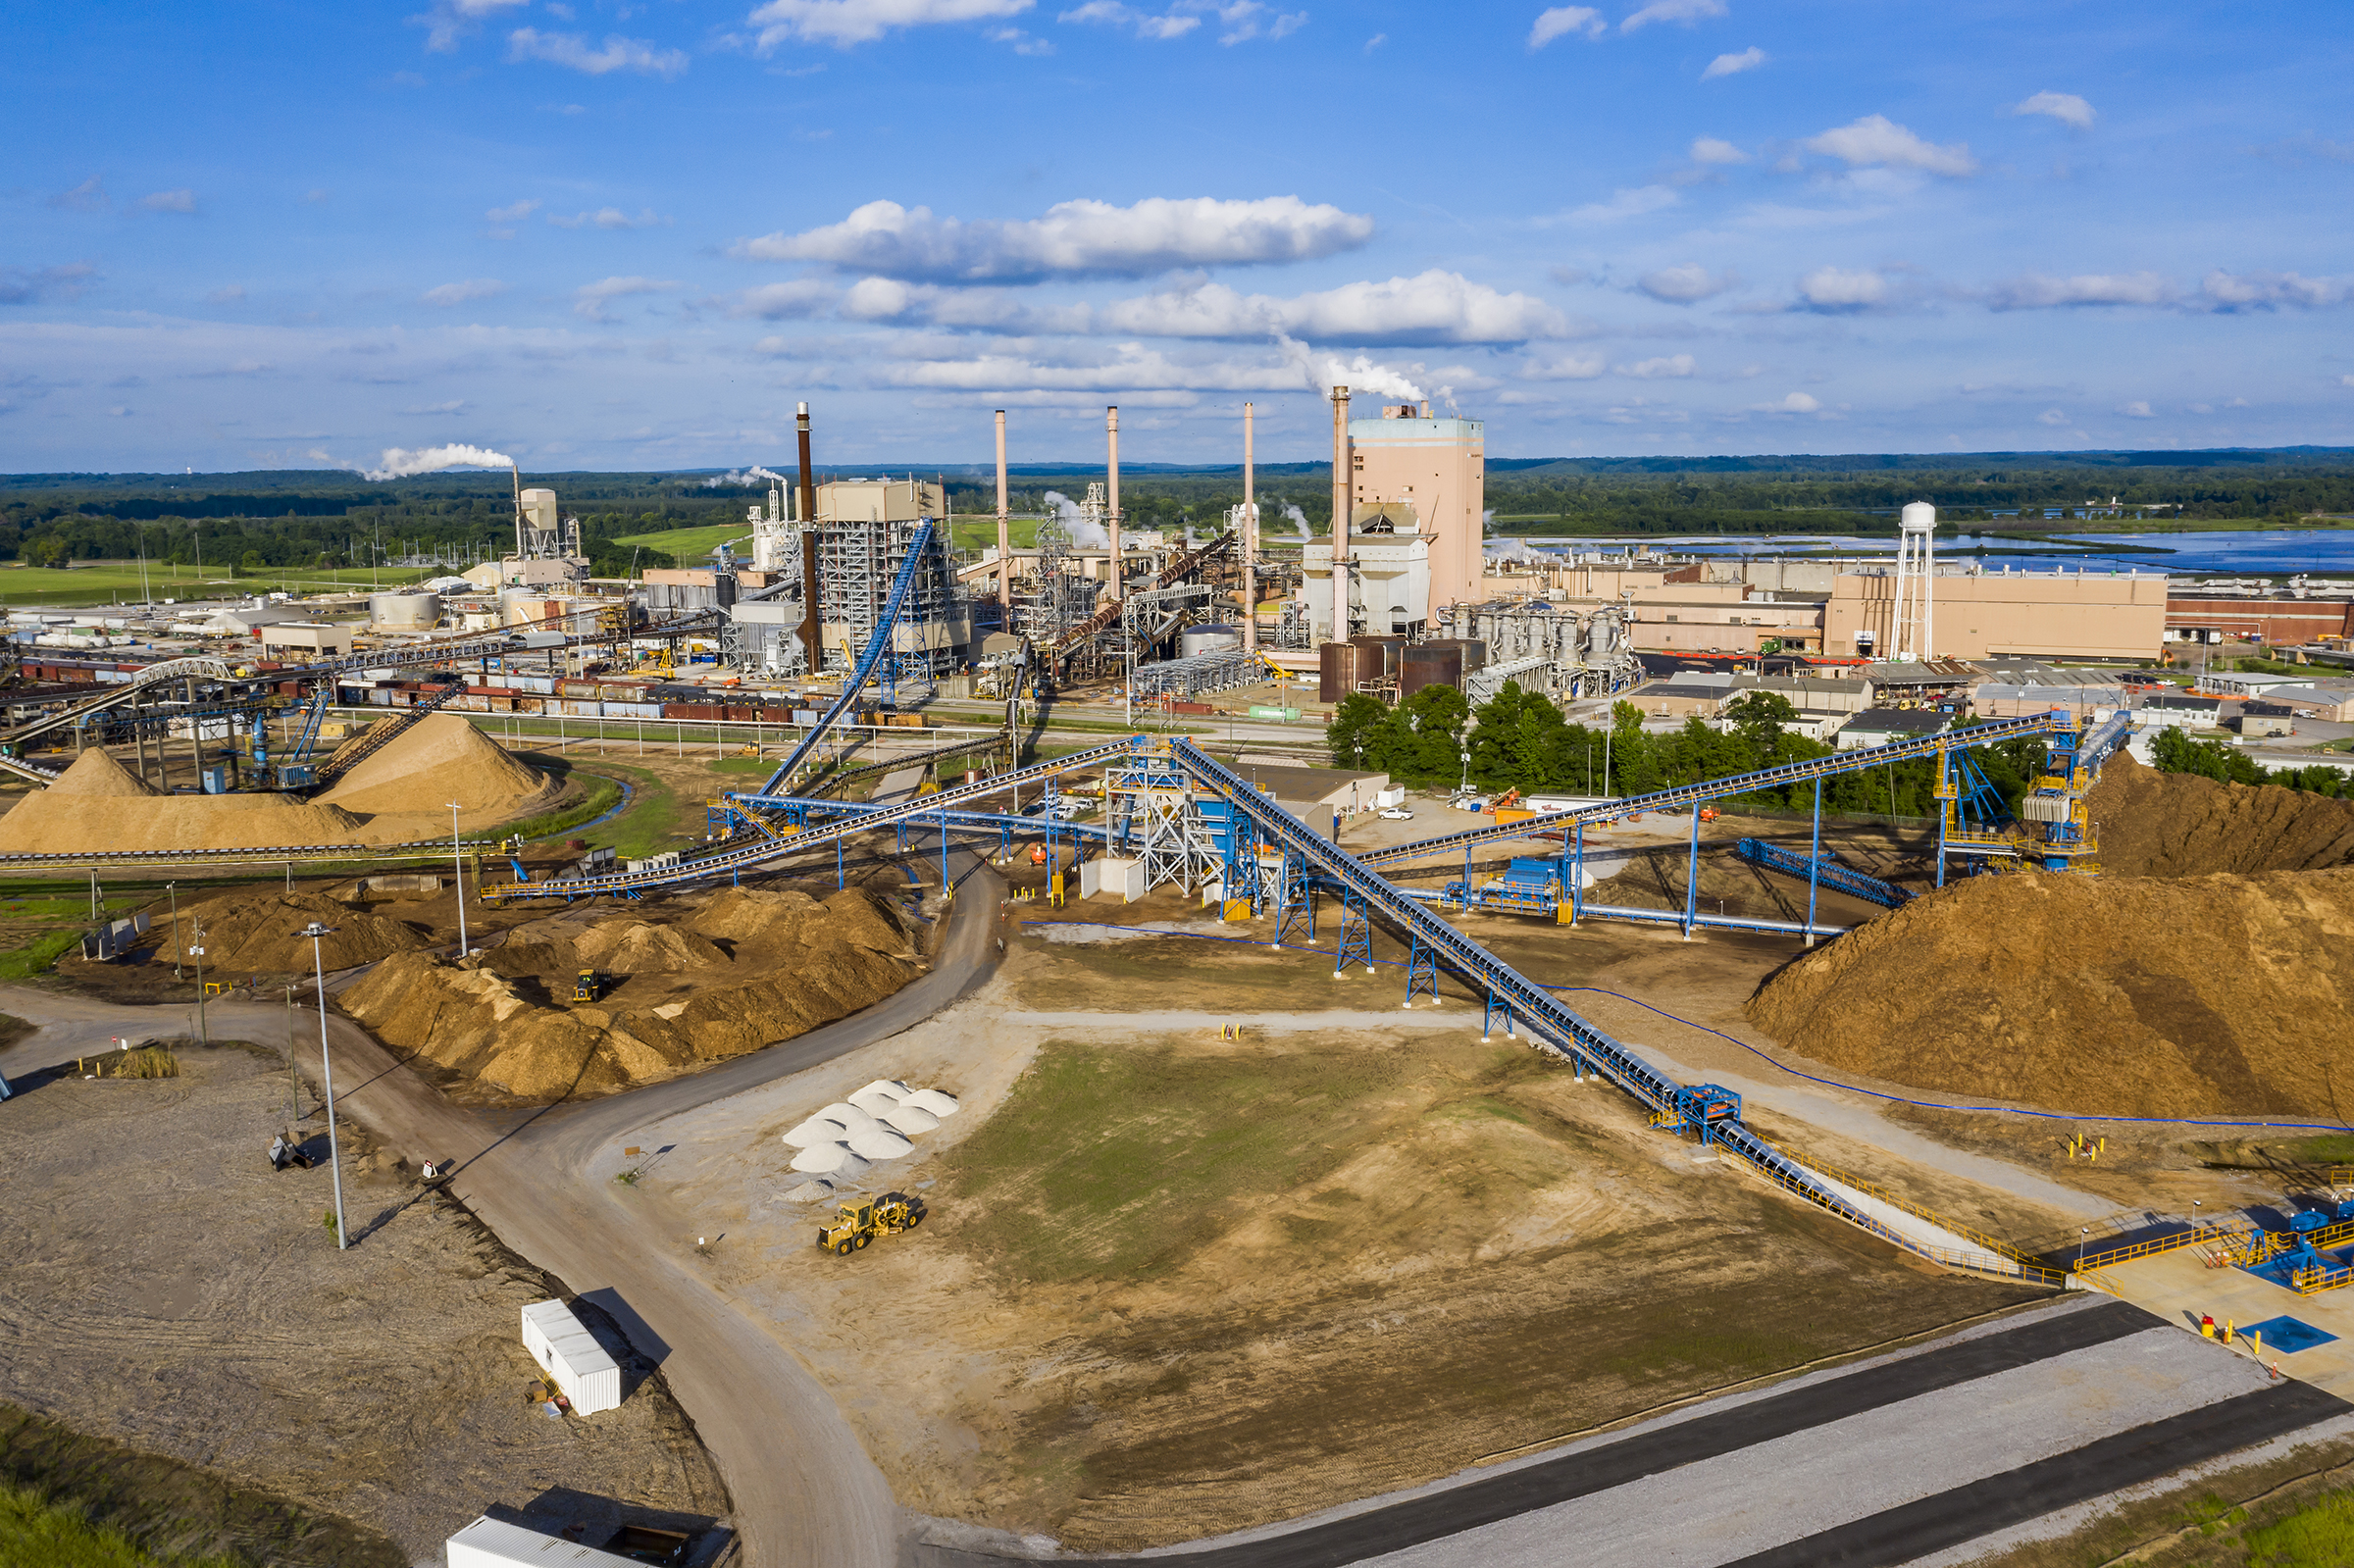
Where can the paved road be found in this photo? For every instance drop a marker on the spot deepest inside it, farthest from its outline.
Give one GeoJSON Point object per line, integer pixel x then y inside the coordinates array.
{"type": "Point", "coordinates": [805, 1494]}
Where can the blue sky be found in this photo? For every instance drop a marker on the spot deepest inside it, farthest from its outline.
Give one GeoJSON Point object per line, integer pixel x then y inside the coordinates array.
{"type": "Point", "coordinates": [633, 234]}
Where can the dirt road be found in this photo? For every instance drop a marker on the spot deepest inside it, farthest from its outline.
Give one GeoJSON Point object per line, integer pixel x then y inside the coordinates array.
{"type": "Point", "coordinates": [805, 1494]}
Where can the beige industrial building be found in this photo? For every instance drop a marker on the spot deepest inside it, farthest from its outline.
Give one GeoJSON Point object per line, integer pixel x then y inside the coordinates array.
{"type": "Point", "coordinates": [1439, 467]}
{"type": "Point", "coordinates": [2066, 615]}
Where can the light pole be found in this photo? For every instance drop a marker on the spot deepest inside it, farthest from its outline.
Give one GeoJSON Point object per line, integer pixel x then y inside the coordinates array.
{"type": "Point", "coordinates": [196, 951]}
{"type": "Point", "coordinates": [326, 1066]}
{"type": "Point", "coordinates": [457, 861]}
{"type": "Point", "coordinates": [171, 890]}
{"type": "Point", "coordinates": [2083, 1234]}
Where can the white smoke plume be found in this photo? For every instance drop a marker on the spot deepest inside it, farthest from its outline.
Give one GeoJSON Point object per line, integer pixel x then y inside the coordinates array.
{"type": "Point", "coordinates": [1324, 372]}
{"type": "Point", "coordinates": [744, 476]}
{"type": "Point", "coordinates": [1074, 523]}
{"type": "Point", "coordinates": [397, 463]}
{"type": "Point", "coordinates": [1296, 519]}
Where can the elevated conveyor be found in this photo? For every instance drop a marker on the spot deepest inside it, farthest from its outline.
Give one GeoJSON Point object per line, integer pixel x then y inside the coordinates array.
{"type": "Point", "coordinates": [1714, 1112]}
{"type": "Point", "coordinates": [1824, 871]}
{"type": "Point", "coordinates": [1681, 795]}
{"type": "Point", "coordinates": [869, 659]}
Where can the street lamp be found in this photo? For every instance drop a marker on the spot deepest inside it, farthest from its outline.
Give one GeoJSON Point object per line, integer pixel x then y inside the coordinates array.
{"type": "Point", "coordinates": [172, 890]}
{"type": "Point", "coordinates": [457, 861]}
{"type": "Point", "coordinates": [196, 951]}
{"type": "Point", "coordinates": [314, 930]}
{"type": "Point", "coordinates": [2083, 1234]}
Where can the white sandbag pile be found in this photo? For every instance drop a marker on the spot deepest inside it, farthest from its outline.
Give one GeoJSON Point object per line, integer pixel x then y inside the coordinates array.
{"type": "Point", "coordinates": [873, 1126]}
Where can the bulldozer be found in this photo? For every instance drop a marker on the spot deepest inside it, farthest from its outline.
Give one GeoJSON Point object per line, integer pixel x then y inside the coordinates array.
{"type": "Point", "coordinates": [861, 1222]}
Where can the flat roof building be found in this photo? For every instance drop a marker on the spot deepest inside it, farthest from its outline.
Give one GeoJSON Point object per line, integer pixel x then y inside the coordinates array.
{"type": "Point", "coordinates": [1438, 466]}
{"type": "Point", "coordinates": [2073, 614]}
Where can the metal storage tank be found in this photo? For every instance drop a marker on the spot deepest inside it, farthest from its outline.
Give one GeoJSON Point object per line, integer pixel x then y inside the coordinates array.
{"type": "Point", "coordinates": [404, 612]}
{"type": "Point", "coordinates": [573, 1358]}
{"type": "Point", "coordinates": [1384, 658]}
{"type": "Point", "coordinates": [1474, 652]}
{"type": "Point", "coordinates": [1208, 638]}
{"type": "Point", "coordinates": [1431, 664]}
{"type": "Point", "coordinates": [1337, 664]}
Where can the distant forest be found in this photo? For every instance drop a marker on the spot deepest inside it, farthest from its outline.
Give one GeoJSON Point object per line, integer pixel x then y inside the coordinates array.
{"type": "Point", "coordinates": [319, 519]}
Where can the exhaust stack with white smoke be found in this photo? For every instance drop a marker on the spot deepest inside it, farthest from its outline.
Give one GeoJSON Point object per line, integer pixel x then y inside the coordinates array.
{"type": "Point", "coordinates": [743, 476]}
{"type": "Point", "coordinates": [1323, 371]}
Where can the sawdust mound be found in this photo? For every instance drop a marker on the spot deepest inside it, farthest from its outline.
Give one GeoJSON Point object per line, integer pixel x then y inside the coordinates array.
{"type": "Point", "coordinates": [255, 935]}
{"type": "Point", "coordinates": [441, 758]}
{"type": "Point", "coordinates": [2152, 824]}
{"type": "Point", "coordinates": [97, 773]}
{"type": "Point", "coordinates": [693, 980]}
{"type": "Point", "coordinates": [2124, 996]}
{"type": "Point", "coordinates": [57, 821]}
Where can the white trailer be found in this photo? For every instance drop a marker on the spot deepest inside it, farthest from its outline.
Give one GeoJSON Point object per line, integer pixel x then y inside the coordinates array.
{"type": "Point", "coordinates": [490, 1543]}
{"type": "Point", "coordinates": [590, 1378]}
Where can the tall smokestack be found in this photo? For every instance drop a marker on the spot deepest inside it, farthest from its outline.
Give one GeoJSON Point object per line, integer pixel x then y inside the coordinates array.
{"type": "Point", "coordinates": [1343, 513]}
{"type": "Point", "coordinates": [1005, 533]}
{"type": "Point", "coordinates": [1250, 546]}
{"type": "Point", "coordinates": [814, 645]}
{"type": "Point", "coordinates": [1111, 436]}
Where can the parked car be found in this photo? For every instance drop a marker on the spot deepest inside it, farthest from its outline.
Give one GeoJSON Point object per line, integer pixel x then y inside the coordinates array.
{"type": "Point", "coordinates": [1396, 814]}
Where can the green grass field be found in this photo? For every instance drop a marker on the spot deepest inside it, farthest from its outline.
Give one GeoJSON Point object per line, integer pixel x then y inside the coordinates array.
{"type": "Point", "coordinates": [31, 1531]}
{"type": "Point", "coordinates": [691, 545]}
{"type": "Point", "coordinates": [98, 582]}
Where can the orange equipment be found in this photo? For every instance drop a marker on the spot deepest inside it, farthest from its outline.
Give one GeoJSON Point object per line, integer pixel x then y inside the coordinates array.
{"type": "Point", "coordinates": [1038, 854]}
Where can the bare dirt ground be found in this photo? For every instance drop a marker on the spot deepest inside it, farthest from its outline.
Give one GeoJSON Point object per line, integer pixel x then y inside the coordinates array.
{"type": "Point", "coordinates": [1175, 1285]}
{"type": "Point", "coordinates": [168, 1291]}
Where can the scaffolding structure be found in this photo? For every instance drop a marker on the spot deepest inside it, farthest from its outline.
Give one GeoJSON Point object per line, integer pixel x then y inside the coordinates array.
{"type": "Point", "coordinates": [1060, 597]}
{"type": "Point", "coordinates": [1151, 815]}
{"type": "Point", "coordinates": [857, 560]}
{"type": "Point", "coordinates": [1217, 670]}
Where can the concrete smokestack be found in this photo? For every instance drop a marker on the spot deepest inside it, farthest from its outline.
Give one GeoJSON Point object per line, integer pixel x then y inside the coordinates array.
{"type": "Point", "coordinates": [1343, 513]}
{"type": "Point", "coordinates": [1111, 436]}
{"type": "Point", "coordinates": [1250, 546]}
{"type": "Point", "coordinates": [1005, 533]}
{"type": "Point", "coordinates": [812, 629]}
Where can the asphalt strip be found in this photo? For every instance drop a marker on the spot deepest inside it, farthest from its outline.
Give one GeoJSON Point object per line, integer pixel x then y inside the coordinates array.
{"type": "Point", "coordinates": [1671, 1446]}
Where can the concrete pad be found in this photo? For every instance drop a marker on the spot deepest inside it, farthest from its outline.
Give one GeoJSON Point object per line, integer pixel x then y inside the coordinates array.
{"type": "Point", "coordinates": [2178, 1286]}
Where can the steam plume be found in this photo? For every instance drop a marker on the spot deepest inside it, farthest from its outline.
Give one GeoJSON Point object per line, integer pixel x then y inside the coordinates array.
{"type": "Point", "coordinates": [1075, 522]}
{"type": "Point", "coordinates": [1323, 371]}
{"type": "Point", "coordinates": [744, 476]}
{"type": "Point", "coordinates": [399, 464]}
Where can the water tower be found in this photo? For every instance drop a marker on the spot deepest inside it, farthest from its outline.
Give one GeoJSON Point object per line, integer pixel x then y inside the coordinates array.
{"type": "Point", "coordinates": [1915, 549]}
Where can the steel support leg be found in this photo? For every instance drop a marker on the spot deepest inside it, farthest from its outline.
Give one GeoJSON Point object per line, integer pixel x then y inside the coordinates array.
{"type": "Point", "coordinates": [1357, 935]}
{"type": "Point", "coordinates": [1577, 877]}
{"type": "Point", "coordinates": [1497, 1008]}
{"type": "Point", "coordinates": [1815, 861]}
{"type": "Point", "coordinates": [841, 878]}
{"type": "Point", "coordinates": [1421, 972]}
{"type": "Point", "coordinates": [1945, 807]}
{"type": "Point", "coordinates": [1692, 875]}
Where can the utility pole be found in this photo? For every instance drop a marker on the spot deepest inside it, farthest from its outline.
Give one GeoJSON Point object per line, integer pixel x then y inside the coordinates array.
{"type": "Point", "coordinates": [314, 930]}
{"type": "Point", "coordinates": [196, 951]}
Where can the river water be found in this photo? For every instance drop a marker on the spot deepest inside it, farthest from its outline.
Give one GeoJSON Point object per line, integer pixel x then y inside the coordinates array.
{"type": "Point", "coordinates": [2271, 552]}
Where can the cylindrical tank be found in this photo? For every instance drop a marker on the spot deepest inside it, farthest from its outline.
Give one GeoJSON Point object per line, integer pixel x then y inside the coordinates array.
{"type": "Point", "coordinates": [1208, 638]}
{"type": "Point", "coordinates": [1431, 664]}
{"type": "Point", "coordinates": [404, 612]}
{"type": "Point", "coordinates": [1337, 664]}
{"type": "Point", "coordinates": [1384, 658]}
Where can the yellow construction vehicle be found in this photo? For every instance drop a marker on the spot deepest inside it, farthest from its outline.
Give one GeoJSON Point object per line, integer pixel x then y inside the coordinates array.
{"type": "Point", "coordinates": [861, 1222]}
{"type": "Point", "coordinates": [584, 985]}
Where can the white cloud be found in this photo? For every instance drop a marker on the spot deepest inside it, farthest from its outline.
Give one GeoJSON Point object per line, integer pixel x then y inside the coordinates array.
{"type": "Point", "coordinates": [590, 299]}
{"type": "Point", "coordinates": [1687, 284]}
{"type": "Point", "coordinates": [2065, 107]}
{"type": "Point", "coordinates": [1073, 238]}
{"type": "Point", "coordinates": [87, 197]}
{"type": "Point", "coordinates": [1790, 403]}
{"type": "Point", "coordinates": [1877, 139]}
{"type": "Point", "coordinates": [1022, 43]}
{"type": "Point", "coordinates": [22, 285]}
{"type": "Point", "coordinates": [1562, 20]}
{"type": "Point", "coordinates": [397, 463]}
{"type": "Point", "coordinates": [2137, 410]}
{"type": "Point", "coordinates": [1711, 152]}
{"type": "Point", "coordinates": [2051, 416]}
{"type": "Point", "coordinates": [1748, 59]}
{"type": "Point", "coordinates": [2036, 292]}
{"type": "Point", "coordinates": [1570, 367]}
{"type": "Point", "coordinates": [607, 217]}
{"type": "Point", "coordinates": [226, 294]}
{"type": "Point", "coordinates": [1157, 28]}
{"type": "Point", "coordinates": [571, 50]}
{"type": "Point", "coordinates": [842, 23]}
{"type": "Point", "coordinates": [462, 292]}
{"type": "Point", "coordinates": [1686, 12]}
{"type": "Point", "coordinates": [452, 20]}
{"type": "Point", "coordinates": [2267, 290]}
{"type": "Point", "coordinates": [1376, 41]}
{"type": "Point", "coordinates": [169, 201]}
{"type": "Point", "coordinates": [2342, 381]}
{"type": "Point", "coordinates": [803, 296]}
{"type": "Point", "coordinates": [515, 214]}
{"type": "Point", "coordinates": [1245, 19]}
{"type": "Point", "coordinates": [1625, 204]}
{"type": "Point", "coordinates": [453, 406]}
{"type": "Point", "coordinates": [1834, 288]}
{"type": "Point", "coordinates": [1666, 366]}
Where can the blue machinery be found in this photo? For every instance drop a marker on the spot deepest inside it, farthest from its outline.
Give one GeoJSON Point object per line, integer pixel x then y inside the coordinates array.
{"type": "Point", "coordinates": [1822, 869]}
